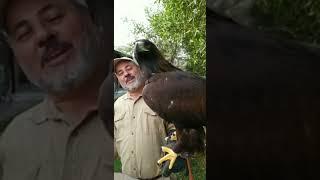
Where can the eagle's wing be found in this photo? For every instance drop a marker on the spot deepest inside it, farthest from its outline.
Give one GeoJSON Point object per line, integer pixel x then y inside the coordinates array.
{"type": "Point", "coordinates": [177, 97]}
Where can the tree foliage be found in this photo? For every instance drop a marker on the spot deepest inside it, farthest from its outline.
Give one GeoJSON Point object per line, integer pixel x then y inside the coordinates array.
{"type": "Point", "coordinates": [179, 30]}
{"type": "Point", "coordinates": [291, 19]}
{"type": "Point", "coordinates": [170, 49]}
{"type": "Point", "coordinates": [125, 50]}
{"type": "Point", "coordinates": [295, 19]}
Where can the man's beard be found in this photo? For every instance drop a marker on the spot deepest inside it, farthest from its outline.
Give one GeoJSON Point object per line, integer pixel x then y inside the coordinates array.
{"type": "Point", "coordinates": [62, 79]}
{"type": "Point", "coordinates": [138, 82]}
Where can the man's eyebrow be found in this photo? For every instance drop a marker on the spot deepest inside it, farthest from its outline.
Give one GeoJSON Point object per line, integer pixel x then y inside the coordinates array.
{"type": "Point", "coordinates": [24, 22]}
{"type": "Point", "coordinates": [46, 8]}
{"type": "Point", "coordinates": [118, 71]}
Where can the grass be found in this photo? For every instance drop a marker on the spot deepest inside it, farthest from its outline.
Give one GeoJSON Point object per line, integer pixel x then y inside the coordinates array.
{"type": "Point", "coordinates": [117, 165]}
{"type": "Point", "coordinates": [198, 165]}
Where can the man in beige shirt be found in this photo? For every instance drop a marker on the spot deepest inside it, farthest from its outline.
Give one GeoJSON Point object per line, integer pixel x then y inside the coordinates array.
{"type": "Point", "coordinates": [138, 131]}
{"type": "Point", "coordinates": [57, 45]}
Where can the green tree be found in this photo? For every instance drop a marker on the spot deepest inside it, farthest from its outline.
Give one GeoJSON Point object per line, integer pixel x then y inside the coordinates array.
{"type": "Point", "coordinates": [184, 21]}
{"type": "Point", "coordinates": [178, 28]}
{"type": "Point", "coordinates": [294, 19]}
{"type": "Point", "coordinates": [290, 19]}
{"type": "Point", "coordinates": [127, 49]}
{"type": "Point", "coordinates": [172, 51]}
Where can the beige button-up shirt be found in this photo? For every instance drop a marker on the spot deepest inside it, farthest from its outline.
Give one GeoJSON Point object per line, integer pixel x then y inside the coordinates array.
{"type": "Point", "coordinates": [139, 133]}
{"type": "Point", "coordinates": [41, 144]}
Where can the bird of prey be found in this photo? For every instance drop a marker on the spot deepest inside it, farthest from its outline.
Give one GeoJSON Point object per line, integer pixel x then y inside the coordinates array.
{"type": "Point", "coordinates": [264, 100]}
{"type": "Point", "coordinates": [176, 96]}
{"type": "Point", "coordinates": [150, 58]}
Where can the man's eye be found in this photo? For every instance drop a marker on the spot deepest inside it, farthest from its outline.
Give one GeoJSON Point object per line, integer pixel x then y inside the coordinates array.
{"type": "Point", "coordinates": [120, 73]}
{"type": "Point", "coordinates": [55, 19]}
{"type": "Point", "coordinates": [23, 34]}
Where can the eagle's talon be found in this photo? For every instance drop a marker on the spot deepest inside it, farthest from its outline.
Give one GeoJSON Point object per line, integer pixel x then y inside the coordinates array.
{"type": "Point", "coordinates": [171, 156]}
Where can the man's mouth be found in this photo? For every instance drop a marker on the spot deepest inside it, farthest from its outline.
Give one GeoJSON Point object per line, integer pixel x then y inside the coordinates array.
{"type": "Point", "coordinates": [129, 79]}
{"type": "Point", "coordinates": [57, 55]}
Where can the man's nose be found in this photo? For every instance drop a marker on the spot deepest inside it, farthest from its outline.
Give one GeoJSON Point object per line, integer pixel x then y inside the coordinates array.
{"type": "Point", "coordinates": [126, 74]}
{"type": "Point", "coordinates": [44, 35]}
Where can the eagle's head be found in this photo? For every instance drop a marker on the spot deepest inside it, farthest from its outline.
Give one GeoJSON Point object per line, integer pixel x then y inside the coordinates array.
{"type": "Point", "coordinates": [145, 51]}
{"type": "Point", "coordinates": [144, 45]}
{"type": "Point", "coordinates": [147, 55]}
{"type": "Point", "coordinates": [150, 58]}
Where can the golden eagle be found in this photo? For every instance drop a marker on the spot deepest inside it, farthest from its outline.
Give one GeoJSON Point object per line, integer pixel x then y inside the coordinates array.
{"type": "Point", "coordinates": [176, 96]}
{"type": "Point", "coordinates": [150, 58]}
{"type": "Point", "coordinates": [264, 100]}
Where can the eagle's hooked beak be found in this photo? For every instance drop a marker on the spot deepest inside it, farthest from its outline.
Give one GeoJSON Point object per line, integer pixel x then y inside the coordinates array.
{"type": "Point", "coordinates": [140, 46]}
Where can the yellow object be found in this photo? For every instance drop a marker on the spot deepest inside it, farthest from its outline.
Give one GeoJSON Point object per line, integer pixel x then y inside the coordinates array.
{"type": "Point", "coordinates": [171, 156]}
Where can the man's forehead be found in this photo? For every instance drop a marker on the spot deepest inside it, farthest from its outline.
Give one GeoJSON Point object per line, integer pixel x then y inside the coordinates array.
{"type": "Point", "coordinates": [123, 64]}
{"type": "Point", "coordinates": [31, 6]}
{"type": "Point", "coordinates": [10, 3]}
{"type": "Point", "coordinates": [22, 7]}
{"type": "Point", "coordinates": [5, 5]}
{"type": "Point", "coordinates": [19, 10]}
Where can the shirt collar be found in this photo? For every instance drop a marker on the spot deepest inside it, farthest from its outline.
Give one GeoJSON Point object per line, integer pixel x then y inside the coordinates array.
{"type": "Point", "coordinates": [49, 111]}
{"type": "Point", "coordinates": [127, 96]}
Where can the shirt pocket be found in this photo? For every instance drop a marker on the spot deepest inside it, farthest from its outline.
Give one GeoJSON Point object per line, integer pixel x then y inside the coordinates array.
{"type": "Point", "coordinates": [119, 125]}
{"type": "Point", "coordinates": [104, 169]}
{"type": "Point", "coordinates": [153, 124]}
